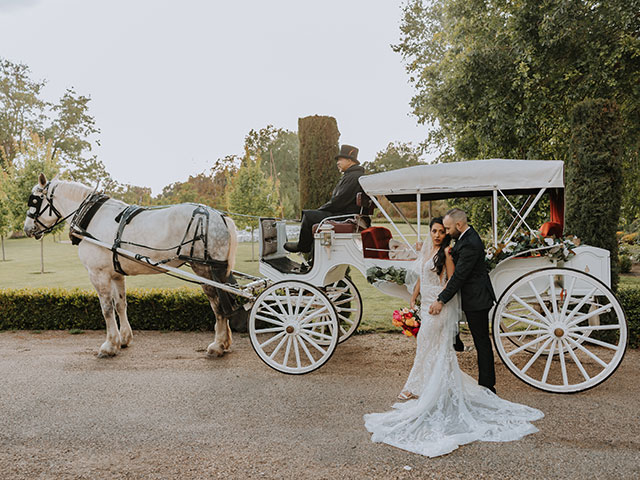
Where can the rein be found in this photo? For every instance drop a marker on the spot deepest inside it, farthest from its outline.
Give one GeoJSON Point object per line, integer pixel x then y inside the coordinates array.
{"type": "Point", "coordinates": [35, 205]}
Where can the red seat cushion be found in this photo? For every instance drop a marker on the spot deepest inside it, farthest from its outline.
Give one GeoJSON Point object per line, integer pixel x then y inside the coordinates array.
{"type": "Point", "coordinates": [551, 229]}
{"type": "Point", "coordinates": [375, 239]}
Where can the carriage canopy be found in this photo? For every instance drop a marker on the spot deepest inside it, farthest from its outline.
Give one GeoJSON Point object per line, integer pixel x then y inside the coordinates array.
{"type": "Point", "coordinates": [465, 179]}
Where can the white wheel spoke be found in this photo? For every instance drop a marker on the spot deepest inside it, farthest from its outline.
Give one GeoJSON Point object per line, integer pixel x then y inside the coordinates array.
{"type": "Point", "coordinates": [563, 365]}
{"type": "Point", "coordinates": [318, 324]}
{"type": "Point", "coordinates": [547, 366]}
{"type": "Point", "coordinates": [289, 304]}
{"type": "Point", "coordinates": [576, 361]}
{"type": "Point", "coordinates": [277, 349]}
{"type": "Point", "coordinates": [530, 309]}
{"type": "Point", "coordinates": [527, 345]}
{"type": "Point", "coordinates": [317, 334]}
{"type": "Point", "coordinates": [269, 330]}
{"type": "Point", "coordinates": [287, 350]}
{"type": "Point", "coordinates": [522, 333]}
{"type": "Point", "coordinates": [540, 301]}
{"type": "Point", "coordinates": [306, 350]}
{"type": "Point", "coordinates": [342, 331]}
{"type": "Point", "coordinates": [563, 312]}
{"type": "Point", "coordinates": [313, 344]}
{"type": "Point", "coordinates": [342, 309]}
{"type": "Point", "coordinates": [308, 318]}
{"type": "Point", "coordinates": [580, 304]}
{"type": "Point", "coordinates": [524, 320]}
{"type": "Point", "coordinates": [282, 309]}
{"type": "Point", "coordinates": [341, 302]}
{"type": "Point", "coordinates": [296, 350]}
{"type": "Point", "coordinates": [269, 320]}
{"type": "Point", "coordinates": [578, 328]}
{"type": "Point", "coordinates": [272, 339]}
{"type": "Point", "coordinates": [345, 319]}
{"type": "Point", "coordinates": [270, 308]}
{"type": "Point", "coordinates": [587, 316]}
{"type": "Point", "coordinates": [536, 355]}
{"type": "Point", "coordinates": [307, 307]}
{"type": "Point", "coordinates": [594, 341]}
{"type": "Point", "coordinates": [554, 300]}
{"type": "Point", "coordinates": [298, 300]}
{"type": "Point", "coordinates": [588, 352]}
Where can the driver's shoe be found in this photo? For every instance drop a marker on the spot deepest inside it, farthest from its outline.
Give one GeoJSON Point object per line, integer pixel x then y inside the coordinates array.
{"type": "Point", "coordinates": [291, 247]}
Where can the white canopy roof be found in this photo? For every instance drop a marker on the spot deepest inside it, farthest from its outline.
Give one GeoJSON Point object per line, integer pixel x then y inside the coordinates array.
{"type": "Point", "coordinates": [471, 178]}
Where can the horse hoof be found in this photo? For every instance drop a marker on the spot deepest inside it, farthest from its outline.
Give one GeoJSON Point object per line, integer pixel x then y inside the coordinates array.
{"type": "Point", "coordinates": [105, 355]}
{"type": "Point", "coordinates": [215, 350]}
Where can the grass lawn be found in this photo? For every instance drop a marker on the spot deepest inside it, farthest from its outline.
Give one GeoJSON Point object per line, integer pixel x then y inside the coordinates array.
{"type": "Point", "coordinates": [64, 270]}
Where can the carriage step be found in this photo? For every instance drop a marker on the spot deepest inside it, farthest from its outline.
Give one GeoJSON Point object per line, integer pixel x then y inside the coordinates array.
{"type": "Point", "coordinates": [286, 265]}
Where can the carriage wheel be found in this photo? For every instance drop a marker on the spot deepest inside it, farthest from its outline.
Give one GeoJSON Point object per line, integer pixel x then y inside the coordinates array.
{"type": "Point", "coordinates": [346, 298]}
{"type": "Point", "coordinates": [284, 327]}
{"type": "Point", "coordinates": [569, 327]}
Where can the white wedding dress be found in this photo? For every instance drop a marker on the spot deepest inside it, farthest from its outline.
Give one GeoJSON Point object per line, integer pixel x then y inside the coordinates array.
{"type": "Point", "coordinates": [452, 409]}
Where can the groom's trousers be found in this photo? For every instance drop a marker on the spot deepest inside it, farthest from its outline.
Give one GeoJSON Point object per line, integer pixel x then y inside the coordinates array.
{"type": "Point", "coordinates": [478, 321]}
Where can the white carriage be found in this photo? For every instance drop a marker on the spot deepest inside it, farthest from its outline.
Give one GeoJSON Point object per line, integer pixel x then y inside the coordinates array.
{"type": "Point", "coordinates": [557, 325]}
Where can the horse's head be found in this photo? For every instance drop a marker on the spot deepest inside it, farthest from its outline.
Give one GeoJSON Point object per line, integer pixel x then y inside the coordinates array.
{"type": "Point", "coordinates": [41, 214]}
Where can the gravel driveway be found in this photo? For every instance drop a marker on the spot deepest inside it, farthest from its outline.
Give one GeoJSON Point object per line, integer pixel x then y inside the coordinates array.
{"type": "Point", "coordinates": [162, 409]}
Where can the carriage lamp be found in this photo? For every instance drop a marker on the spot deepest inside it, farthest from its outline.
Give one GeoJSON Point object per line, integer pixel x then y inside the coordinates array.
{"type": "Point", "coordinates": [326, 235]}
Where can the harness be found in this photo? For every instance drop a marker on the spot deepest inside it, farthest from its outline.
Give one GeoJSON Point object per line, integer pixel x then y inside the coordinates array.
{"type": "Point", "coordinates": [35, 204]}
{"type": "Point", "coordinates": [84, 214]}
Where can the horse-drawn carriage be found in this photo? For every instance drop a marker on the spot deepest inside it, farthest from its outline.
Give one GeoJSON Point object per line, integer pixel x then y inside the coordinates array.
{"type": "Point", "coordinates": [557, 325]}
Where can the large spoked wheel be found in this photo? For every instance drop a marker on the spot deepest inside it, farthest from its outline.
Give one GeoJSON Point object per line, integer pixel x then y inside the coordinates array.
{"type": "Point", "coordinates": [346, 298]}
{"type": "Point", "coordinates": [293, 327]}
{"type": "Point", "coordinates": [560, 330]}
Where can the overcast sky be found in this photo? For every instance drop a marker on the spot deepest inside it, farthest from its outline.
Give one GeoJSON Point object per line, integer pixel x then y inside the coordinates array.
{"type": "Point", "coordinates": [177, 84]}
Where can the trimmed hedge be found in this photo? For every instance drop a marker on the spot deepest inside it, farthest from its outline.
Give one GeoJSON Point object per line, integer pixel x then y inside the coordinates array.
{"type": "Point", "coordinates": [148, 309]}
{"type": "Point", "coordinates": [630, 299]}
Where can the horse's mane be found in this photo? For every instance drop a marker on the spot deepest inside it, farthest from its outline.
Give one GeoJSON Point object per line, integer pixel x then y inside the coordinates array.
{"type": "Point", "coordinates": [75, 190]}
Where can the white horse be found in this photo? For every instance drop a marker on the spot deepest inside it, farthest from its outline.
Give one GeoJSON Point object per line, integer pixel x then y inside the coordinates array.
{"type": "Point", "coordinates": [162, 230]}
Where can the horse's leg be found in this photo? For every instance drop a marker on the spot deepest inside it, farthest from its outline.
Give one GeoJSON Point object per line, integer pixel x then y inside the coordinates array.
{"type": "Point", "coordinates": [101, 280]}
{"type": "Point", "coordinates": [222, 339]}
{"type": "Point", "coordinates": [120, 300]}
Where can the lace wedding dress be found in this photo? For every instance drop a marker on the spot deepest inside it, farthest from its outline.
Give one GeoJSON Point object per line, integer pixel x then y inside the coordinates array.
{"type": "Point", "coordinates": [451, 409]}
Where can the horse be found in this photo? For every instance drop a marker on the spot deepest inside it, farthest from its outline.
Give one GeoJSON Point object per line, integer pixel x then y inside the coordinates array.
{"type": "Point", "coordinates": [159, 234]}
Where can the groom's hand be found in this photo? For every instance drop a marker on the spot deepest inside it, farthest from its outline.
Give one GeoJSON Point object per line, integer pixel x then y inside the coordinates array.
{"type": "Point", "coordinates": [435, 308]}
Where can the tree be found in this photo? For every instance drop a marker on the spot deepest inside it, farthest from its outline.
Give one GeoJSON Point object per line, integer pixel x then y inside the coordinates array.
{"type": "Point", "coordinates": [279, 150]}
{"type": "Point", "coordinates": [594, 177]}
{"type": "Point", "coordinates": [318, 147]}
{"type": "Point", "coordinates": [395, 155]}
{"type": "Point", "coordinates": [499, 79]}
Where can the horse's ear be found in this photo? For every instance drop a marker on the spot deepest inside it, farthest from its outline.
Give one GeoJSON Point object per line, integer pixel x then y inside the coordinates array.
{"type": "Point", "coordinates": [42, 180]}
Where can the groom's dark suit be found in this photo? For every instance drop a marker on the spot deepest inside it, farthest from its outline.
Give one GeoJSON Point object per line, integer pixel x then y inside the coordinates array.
{"type": "Point", "coordinates": [471, 279]}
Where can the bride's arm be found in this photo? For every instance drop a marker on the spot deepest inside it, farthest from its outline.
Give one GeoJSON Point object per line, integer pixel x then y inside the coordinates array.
{"type": "Point", "coordinates": [414, 296]}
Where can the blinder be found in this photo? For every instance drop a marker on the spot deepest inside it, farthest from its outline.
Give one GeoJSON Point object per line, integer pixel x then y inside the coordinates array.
{"type": "Point", "coordinates": [34, 203]}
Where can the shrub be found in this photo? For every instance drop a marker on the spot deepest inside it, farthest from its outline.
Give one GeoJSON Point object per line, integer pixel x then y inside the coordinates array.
{"type": "Point", "coordinates": [625, 263]}
{"type": "Point", "coordinates": [630, 299]}
{"type": "Point", "coordinates": [58, 309]}
{"type": "Point", "coordinates": [630, 238]}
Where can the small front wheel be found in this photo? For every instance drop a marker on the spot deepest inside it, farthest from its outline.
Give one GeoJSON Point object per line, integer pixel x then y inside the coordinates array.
{"type": "Point", "coordinates": [293, 327]}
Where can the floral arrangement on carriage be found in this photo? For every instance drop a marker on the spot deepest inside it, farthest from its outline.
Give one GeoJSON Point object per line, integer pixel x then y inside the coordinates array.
{"type": "Point", "coordinates": [533, 244]}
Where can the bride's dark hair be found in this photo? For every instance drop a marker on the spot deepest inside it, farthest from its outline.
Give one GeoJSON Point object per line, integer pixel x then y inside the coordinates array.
{"type": "Point", "coordinates": [439, 258]}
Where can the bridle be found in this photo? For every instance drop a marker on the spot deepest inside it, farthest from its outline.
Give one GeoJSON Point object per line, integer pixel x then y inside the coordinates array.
{"type": "Point", "coordinates": [35, 208]}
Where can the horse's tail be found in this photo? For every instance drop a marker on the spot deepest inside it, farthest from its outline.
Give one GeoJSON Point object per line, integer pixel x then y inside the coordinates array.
{"type": "Point", "coordinates": [233, 244]}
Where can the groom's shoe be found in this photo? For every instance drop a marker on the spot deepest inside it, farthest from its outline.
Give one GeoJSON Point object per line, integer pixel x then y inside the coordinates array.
{"type": "Point", "coordinates": [291, 247]}
{"type": "Point", "coordinates": [458, 346]}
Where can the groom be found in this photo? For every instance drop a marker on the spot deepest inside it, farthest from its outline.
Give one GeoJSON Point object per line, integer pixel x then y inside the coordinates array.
{"type": "Point", "coordinates": [471, 279]}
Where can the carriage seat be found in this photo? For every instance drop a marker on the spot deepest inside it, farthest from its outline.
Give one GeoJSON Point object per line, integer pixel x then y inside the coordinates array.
{"type": "Point", "coordinates": [359, 222]}
{"type": "Point", "coordinates": [375, 242]}
{"type": "Point", "coordinates": [551, 229]}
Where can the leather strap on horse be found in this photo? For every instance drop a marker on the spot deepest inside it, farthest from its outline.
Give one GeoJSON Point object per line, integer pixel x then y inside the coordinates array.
{"type": "Point", "coordinates": [86, 212]}
{"type": "Point", "coordinates": [123, 218]}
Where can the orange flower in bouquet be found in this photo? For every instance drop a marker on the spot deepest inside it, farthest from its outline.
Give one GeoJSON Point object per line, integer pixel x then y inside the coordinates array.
{"type": "Point", "coordinates": [408, 320]}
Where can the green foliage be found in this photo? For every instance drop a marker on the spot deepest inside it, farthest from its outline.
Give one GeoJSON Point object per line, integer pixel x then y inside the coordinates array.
{"type": "Point", "coordinates": [395, 155]}
{"type": "Point", "coordinates": [594, 177]}
{"type": "Point", "coordinates": [250, 192]}
{"type": "Point", "coordinates": [389, 274]}
{"type": "Point", "coordinates": [532, 244]}
{"type": "Point", "coordinates": [279, 150]}
{"type": "Point", "coordinates": [58, 309]}
{"type": "Point", "coordinates": [630, 299]}
{"type": "Point", "coordinates": [318, 147]}
{"type": "Point", "coordinates": [498, 79]}
{"type": "Point", "coordinates": [625, 263]}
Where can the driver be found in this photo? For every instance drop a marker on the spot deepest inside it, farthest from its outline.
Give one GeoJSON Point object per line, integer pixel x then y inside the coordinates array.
{"type": "Point", "coordinates": [343, 199]}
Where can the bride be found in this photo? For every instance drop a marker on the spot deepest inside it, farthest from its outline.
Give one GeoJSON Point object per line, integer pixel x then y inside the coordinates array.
{"type": "Point", "coordinates": [446, 408]}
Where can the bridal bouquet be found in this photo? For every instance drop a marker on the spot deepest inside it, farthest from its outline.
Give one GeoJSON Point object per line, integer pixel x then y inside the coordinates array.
{"type": "Point", "coordinates": [408, 320]}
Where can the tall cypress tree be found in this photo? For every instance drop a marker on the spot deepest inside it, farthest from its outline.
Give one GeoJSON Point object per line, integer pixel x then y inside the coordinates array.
{"type": "Point", "coordinates": [318, 137]}
{"type": "Point", "coordinates": [594, 176]}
